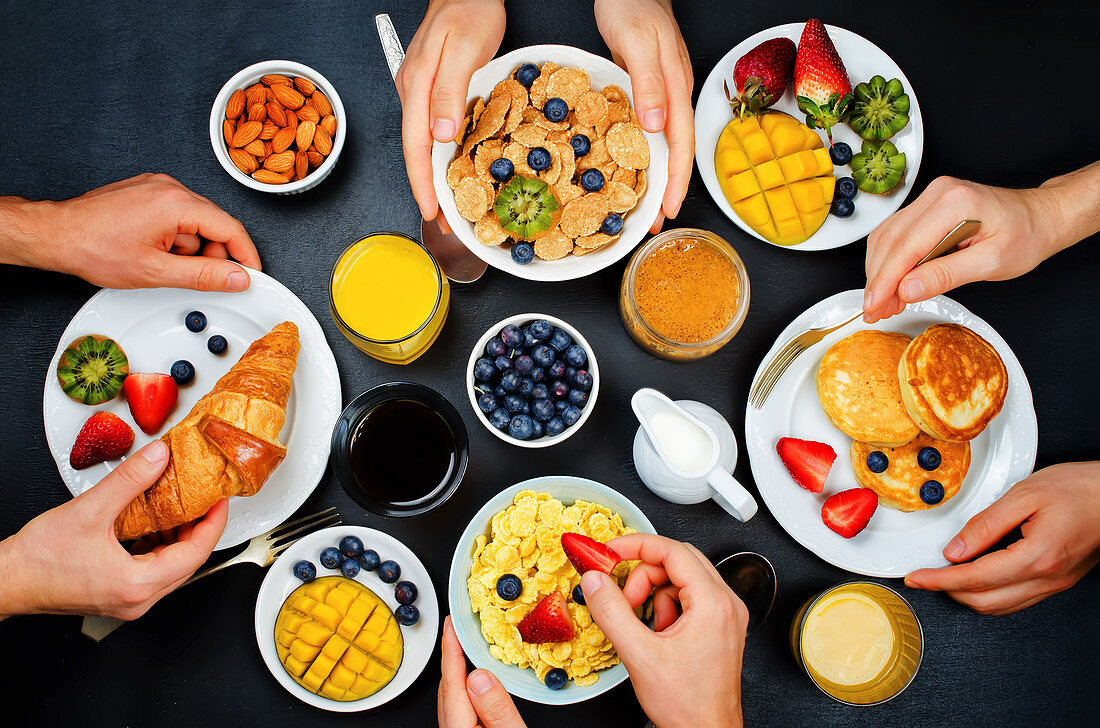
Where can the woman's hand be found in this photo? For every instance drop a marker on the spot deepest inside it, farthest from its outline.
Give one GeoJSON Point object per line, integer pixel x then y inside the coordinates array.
{"type": "Point", "coordinates": [477, 700]}
{"type": "Point", "coordinates": [1058, 511]}
{"type": "Point", "coordinates": [456, 38]}
{"type": "Point", "coordinates": [645, 40]}
{"type": "Point", "coordinates": [68, 561]}
{"type": "Point", "coordinates": [688, 672]}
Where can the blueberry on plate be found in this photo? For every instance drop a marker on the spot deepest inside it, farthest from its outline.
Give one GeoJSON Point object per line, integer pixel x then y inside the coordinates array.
{"type": "Point", "coordinates": [877, 462]}
{"type": "Point", "coordinates": [523, 364]}
{"type": "Point", "coordinates": [556, 679]}
{"type": "Point", "coordinates": [592, 180]}
{"type": "Point", "coordinates": [503, 363]}
{"type": "Point", "coordinates": [556, 369]}
{"type": "Point", "coordinates": [931, 492]}
{"type": "Point", "coordinates": [499, 418]}
{"type": "Point", "coordinates": [843, 207]}
{"type": "Point", "coordinates": [494, 348]}
{"type": "Point", "coordinates": [612, 224]}
{"type": "Point", "coordinates": [526, 386]}
{"type": "Point", "coordinates": [929, 458]}
{"type": "Point", "coordinates": [541, 329]}
{"type": "Point", "coordinates": [407, 615]}
{"type": "Point", "coordinates": [538, 159]}
{"type": "Point", "coordinates": [351, 546]}
{"type": "Point", "coordinates": [514, 403]}
{"type": "Point", "coordinates": [543, 409]}
{"type": "Point", "coordinates": [484, 370]}
{"type": "Point", "coordinates": [512, 336]}
{"type": "Point", "coordinates": [555, 110]}
{"type": "Point", "coordinates": [217, 344]}
{"type": "Point", "coordinates": [510, 381]}
{"type": "Point", "coordinates": [349, 568]}
{"type": "Point", "coordinates": [541, 391]}
{"type": "Point", "coordinates": [509, 587]}
{"type": "Point", "coordinates": [389, 571]}
{"type": "Point", "coordinates": [405, 592]}
{"type": "Point", "coordinates": [578, 397]}
{"type": "Point", "coordinates": [576, 356]}
{"type": "Point", "coordinates": [846, 187]}
{"type": "Point", "coordinates": [543, 355]}
{"type": "Point", "coordinates": [195, 321]}
{"type": "Point", "coordinates": [331, 557]}
{"type": "Point", "coordinates": [559, 389]}
{"type": "Point", "coordinates": [840, 153]}
{"type": "Point", "coordinates": [554, 426]}
{"type": "Point", "coordinates": [527, 73]}
{"type": "Point", "coordinates": [537, 430]}
{"type": "Point", "coordinates": [581, 145]}
{"type": "Point", "coordinates": [560, 340]}
{"type": "Point", "coordinates": [578, 595]}
{"type": "Point", "coordinates": [305, 570]}
{"type": "Point", "coordinates": [523, 253]}
{"type": "Point", "coordinates": [369, 560]}
{"type": "Point", "coordinates": [571, 415]}
{"type": "Point", "coordinates": [183, 372]}
{"type": "Point", "coordinates": [582, 380]}
{"type": "Point", "coordinates": [520, 427]}
{"type": "Point", "coordinates": [502, 169]}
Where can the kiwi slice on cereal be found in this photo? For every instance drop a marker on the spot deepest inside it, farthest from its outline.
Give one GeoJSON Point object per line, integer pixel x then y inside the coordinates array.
{"type": "Point", "coordinates": [526, 208]}
{"type": "Point", "coordinates": [92, 369]}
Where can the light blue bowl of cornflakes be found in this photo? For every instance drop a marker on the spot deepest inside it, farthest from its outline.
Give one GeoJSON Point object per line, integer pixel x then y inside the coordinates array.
{"type": "Point", "coordinates": [513, 546]}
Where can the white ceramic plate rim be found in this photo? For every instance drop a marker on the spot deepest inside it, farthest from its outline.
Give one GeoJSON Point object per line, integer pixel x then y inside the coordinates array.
{"type": "Point", "coordinates": [314, 406]}
{"type": "Point", "coordinates": [419, 639]}
{"type": "Point", "coordinates": [712, 113]}
{"type": "Point", "coordinates": [635, 226]}
{"type": "Point", "coordinates": [518, 681]}
{"type": "Point", "coordinates": [894, 543]}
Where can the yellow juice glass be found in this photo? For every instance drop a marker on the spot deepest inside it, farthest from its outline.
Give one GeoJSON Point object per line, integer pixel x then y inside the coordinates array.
{"type": "Point", "coordinates": [860, 642]}
{"type": "Point", "coordinates": [389, 297]}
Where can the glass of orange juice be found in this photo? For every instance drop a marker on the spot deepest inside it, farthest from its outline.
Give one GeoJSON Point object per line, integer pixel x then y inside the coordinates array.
{"type": "Point", "coordinates": [389, 297]}
{"type": "Point", "coordinates": [860, 642]}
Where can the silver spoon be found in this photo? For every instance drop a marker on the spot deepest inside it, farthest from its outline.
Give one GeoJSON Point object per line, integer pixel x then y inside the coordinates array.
{"type": "Point", "coordinates": [454, 258]}
{"type": "Point", "coordinates": [752, 578]}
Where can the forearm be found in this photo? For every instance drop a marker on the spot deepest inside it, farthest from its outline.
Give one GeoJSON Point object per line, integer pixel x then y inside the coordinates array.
{"type": "Point", "coordinates": [14, 596]}
{"type": "Point", "coordinates": [1073, 204]}
{"type": "Point", "coordinates": [27, 233]}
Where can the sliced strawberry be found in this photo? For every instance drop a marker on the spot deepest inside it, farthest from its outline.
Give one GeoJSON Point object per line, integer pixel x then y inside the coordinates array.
{"type": "Point", "coordinates": [549, 621]}
{"type": "Point", "coordinates": [821, 84]}
{"type": "Point", "coordinates": [151, 397]}
{"type": "Point", "coordinates": [587, 554]}
{"type": "Point", "coordinates": [103, 437]}
{"type": "Point", "coordinates": [848, 511]}
{"type": "Point", "coordinates": [807, 461]}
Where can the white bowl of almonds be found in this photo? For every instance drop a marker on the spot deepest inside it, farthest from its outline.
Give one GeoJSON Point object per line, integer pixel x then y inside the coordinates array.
{"type": "Point", "coordinates": [278, 126]}
{"type": "Point", "coordinates": [513, 185]}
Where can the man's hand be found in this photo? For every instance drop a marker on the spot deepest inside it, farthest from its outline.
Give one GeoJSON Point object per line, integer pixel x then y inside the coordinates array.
{"type": "Point", "coordinates": [477, 700]}
{"type": "Point", "coordinates": [1058, 511]}
{"type": "Point", "coordinates": [68, 561]}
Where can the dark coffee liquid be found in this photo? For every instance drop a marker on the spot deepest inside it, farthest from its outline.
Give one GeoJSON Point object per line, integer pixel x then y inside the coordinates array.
{"type": "Point", "coordinates": [402, 453]}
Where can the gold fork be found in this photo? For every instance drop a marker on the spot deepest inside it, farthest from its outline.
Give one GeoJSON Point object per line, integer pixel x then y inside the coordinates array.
{"type": "Point", "coordinates": [799, 343]}
{"type": "Point", "coordinates": [262, 550]}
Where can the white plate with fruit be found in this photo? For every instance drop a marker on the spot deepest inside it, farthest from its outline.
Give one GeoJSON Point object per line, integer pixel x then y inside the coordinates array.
{"type": "Point", "coordinates": [152, 329]}
{"type": "Point", "coordinates": [892, 543]}
{"type": "Point", "coordinates": [811, 218]}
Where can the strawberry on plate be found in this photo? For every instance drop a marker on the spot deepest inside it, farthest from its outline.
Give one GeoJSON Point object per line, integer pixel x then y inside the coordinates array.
{"type": "Point", "coordinates": [821, 83]}
{"type": "Point", "coordinates": [807, 461]}
{"type": "Point", "coordinates": [761, 76]}
{"type": "Point", "coordinates": [103, 437]}
{"type": "Point", "coordinates": [587, 554]}
{"type": "Point", "coordinates": [151, 397]}
{"type": "Point", "coordinates": [848, 511]}
{"type": "Point", "coordinates": [549, 621]}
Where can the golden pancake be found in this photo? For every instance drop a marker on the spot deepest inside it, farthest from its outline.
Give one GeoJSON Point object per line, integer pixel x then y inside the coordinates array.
{"type": "Point", "coordinates": [953, 382]}
{"type": "Point", "coordinates": [857, 384]}
{"type": "Point", "coordinates": [899, 485]}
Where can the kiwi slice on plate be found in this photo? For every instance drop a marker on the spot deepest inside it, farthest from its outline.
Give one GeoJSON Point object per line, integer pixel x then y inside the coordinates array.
{"type": "Point", "coordinates": [92, 369]}
{"type": "Point", "coordinates": [878, 168]}
{"type": "Point", "coordinates": [880, 108]}
{"type": "Point", "coordinates": [526, 208]}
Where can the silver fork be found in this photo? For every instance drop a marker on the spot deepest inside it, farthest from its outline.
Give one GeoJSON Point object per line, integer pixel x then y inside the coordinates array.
{"type": "Point", "coordinates": [799, 343]}
{"type": "Point", "coordinates": [262, 550]}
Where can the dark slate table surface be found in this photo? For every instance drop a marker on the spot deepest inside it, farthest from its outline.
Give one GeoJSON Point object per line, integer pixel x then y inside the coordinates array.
{"type": "Point", "coordinates": [97, 92]}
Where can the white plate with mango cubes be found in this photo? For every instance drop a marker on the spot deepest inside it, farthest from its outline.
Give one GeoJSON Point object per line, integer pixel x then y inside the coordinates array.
{"type": "Point", "coordinates": [862, 59]}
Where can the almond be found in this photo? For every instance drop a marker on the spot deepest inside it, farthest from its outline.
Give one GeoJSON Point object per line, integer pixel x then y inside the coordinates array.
{"type": "Point", "coordinates": [301, 164]}
{"type": "Point", "coordinates": [315, 158]}
{"type": "Point", "coordinates": [282, 140]}
{"type": "Point", "coordinates": [269, 130]}
{"type": "Point", "coordinates": [305, 135]}
{"type": "Point", "coordinates": [321, 103]}
{"type": "Point", "coordinates": [276, 112]}
{"type": "Point", "coordinates": [304, 85]}
{"type": "Point", "coordinates": [308, 113]}
{"type": "Point", "coordinates": [288, 97]}
{"type": "Point", "coordinates": [323, 142]}
{"type": "Point", "coordinates": [257, 112]}
{"type": "Point", "coordinates": [329, 125]}
{"type": "Point", "coordinates": [308, 102]}
{"type": "Point", "coordinates": [255, 148]}
{"type": "Point", "coordinates": [228, 128]}
{"type": "Point", "coordinates": [268, 149]}
{"type": "Point", "coordinates": [281, 162]}
{"type": "Point", "coordinates": [246, 132]}
{"type": "Point", "coordinates": [291, 120]}
{"type": "Point", "coordinates": [269, 95]}
{"type": "Point", "coordinates": [268, 177]}
{"type": "Point", "coordinates": [243, 160]}
{"type": "Point", "coordinates": [273, 79]}
{"type": "Point", "coordinates": [255, 94]}
{"type": "Point", "coordinates": [235, 105]}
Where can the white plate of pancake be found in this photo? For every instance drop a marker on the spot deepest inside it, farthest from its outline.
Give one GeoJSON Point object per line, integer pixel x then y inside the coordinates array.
{"type": "Point", "coordinates": [894, 542]}
{"type": "Point", "coordinates": [149, 325]}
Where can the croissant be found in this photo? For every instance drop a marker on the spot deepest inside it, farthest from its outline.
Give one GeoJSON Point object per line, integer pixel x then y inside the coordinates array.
{"type": "Point", "coordinates": [227, 445]}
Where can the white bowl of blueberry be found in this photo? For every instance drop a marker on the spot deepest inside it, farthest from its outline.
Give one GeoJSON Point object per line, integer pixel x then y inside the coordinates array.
{"type": "Point", "coordinates": [532, 380]}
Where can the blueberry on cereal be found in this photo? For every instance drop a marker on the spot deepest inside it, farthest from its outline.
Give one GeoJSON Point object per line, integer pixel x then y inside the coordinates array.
{"type": "Point", "coordinates": [502, 169]}
{"type": "Point", "coordinates": [592, 180]}
{"type": "Point", "coordinates": [556, 679]}
{"type": "Point", "coordinates": [509, 587]}
{"type": "Point", "coordinates": [539, 159]}
{"type": "Point", "coordinates": [612, 224]}
{"type": "Point", "coordinates": [523, 253]}
{"type": "Point", "coordinates": [527, 73]}
{"type": "Point", "coordinates": [581, 144]}
{"type": "Point", "coordinates": [578, 595]}
{"type": "Point", "coordinates": [555, 109]}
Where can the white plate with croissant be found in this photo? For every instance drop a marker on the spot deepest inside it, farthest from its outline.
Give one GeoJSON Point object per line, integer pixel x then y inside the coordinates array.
{"type": "Point", "coordinates": [254, 424]}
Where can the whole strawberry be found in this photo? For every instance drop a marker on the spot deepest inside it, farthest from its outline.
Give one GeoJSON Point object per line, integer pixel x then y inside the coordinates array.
{"type": "Point", "coordinates": [103, 437]}
{"type": "Point", "coordinates": [761, 76]}
{"type": "Point", "coordinates": [821, 83]}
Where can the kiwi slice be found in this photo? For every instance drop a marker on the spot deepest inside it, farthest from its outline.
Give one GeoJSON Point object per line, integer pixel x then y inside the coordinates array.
{"type": "Point", "coordinates": [880, 108]}
{"type": "Point", "coordinates": [526, 208]}
{"type": "Point", "coordinates": [878, 168]}
{"type": "Point", "coordinates": [92, 369]}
